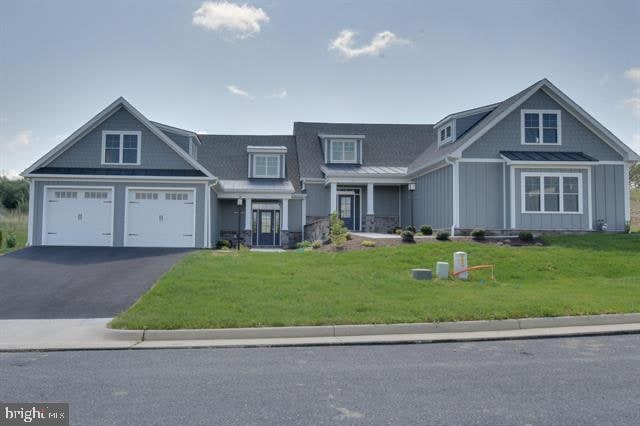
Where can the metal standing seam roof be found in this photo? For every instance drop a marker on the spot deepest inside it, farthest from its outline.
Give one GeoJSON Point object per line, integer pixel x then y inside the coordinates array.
{"type": "Point", "coordinates": [546, 156]}
{"type": "Point", "coordinates": [254, 185]}
{"type": "Point", "coordinates": [334, 170]}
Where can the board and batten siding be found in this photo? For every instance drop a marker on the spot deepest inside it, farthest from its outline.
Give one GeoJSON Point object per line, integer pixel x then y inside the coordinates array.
{"type": "Point", "coordinates": [119, 205]}
{"type": "Point", "coordinates": [318, 200]}
{"type": "Point", "coordinates": [295, 215]}
{"type": "Point", "coordinates": [154, 153]}
{"type": "Point", "coordinates": [385, 201]}
{"type": "Point", "coordinates": [552, 221]}
{"type": "Point", "coordinates": [432, 200]}
{"type": "Point", "coordinates": [506, 135]}
{"type": "Point", "coordinates": [608, 196]}
{"type": "Point", "coordinates": [481, 195]}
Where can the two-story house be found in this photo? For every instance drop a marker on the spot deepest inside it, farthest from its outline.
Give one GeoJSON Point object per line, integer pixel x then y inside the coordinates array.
{"type": "Point", "coordinates": [533, 161]}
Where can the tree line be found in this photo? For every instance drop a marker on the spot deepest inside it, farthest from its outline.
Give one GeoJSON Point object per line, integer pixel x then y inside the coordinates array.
{"type": "Point", "coordinates": [14, 194]}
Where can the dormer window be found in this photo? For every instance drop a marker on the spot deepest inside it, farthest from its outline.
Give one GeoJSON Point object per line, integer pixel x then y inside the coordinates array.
{"type": "Point", "coordinates": [540, 127]}
{"type": "Point", "coordinates": [342, 149]}
{"type": "Point", "coordinates": [120, 147]}
{"type": "Point", "coordinates": [267, 162]}
{"type": "Point", "coordinates": [445, 133]}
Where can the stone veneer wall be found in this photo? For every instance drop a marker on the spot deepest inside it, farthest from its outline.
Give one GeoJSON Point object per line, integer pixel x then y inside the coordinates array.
{"type": "Point", "coordinates": [382, 224]}
{"type": "Point", "coordinates": [317, 229]}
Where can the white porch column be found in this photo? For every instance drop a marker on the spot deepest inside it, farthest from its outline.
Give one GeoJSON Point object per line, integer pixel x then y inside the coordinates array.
{"type": "Point", "coordinates": [304, 211]}
{"type": "Point", "coordinates": [334, 197]}
{"type": "Point", "coordinates": [285, 215]}
{"type": "Point", "coordinates": [248, 214]}
{"type": "Point", "coordinates": [370, 198]}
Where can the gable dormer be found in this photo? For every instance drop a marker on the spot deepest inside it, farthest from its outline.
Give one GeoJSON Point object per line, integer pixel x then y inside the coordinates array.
{"type": "Point", "coordinates": [454, 126]}
{"type": "Point", "coordinates": [266, 162]}
{"type": "Point", "coordinates": [342, 149]}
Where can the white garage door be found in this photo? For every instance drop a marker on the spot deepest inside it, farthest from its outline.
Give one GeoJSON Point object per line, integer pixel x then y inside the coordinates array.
{"type": "Point", "coordinates": [160, 218]}
{"type": "Point", "coordinates": [78, 217]}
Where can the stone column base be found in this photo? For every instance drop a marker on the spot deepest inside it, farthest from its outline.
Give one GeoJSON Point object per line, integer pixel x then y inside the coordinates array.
{"type": "Point", "coordinates": [370, 223]}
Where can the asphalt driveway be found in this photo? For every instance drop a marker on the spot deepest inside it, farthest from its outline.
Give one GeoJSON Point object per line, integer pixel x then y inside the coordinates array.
{"type": "Point", "coordinates": [78, 282]}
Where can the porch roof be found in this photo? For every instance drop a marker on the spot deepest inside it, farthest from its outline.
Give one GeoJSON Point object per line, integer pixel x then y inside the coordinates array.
{"type": "Point", "coordinates": [377, 171]}
{"type": "Point", "coordinates": [256, 186]}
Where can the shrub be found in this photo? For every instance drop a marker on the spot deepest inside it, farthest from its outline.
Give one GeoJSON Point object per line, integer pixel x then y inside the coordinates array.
{"type": "Point", "coordinates": [627, 230]}
{"type": "Point", "coordinates": [426, 230]}
{"type": "Point", "coordinates": [11, 241]}
{"type": "Point", "coordinates": [410, 228]}
{"type": "Point", "coordinates": [478, 234]}
{"type": "Point", "coordinates": [316, 244]}
{"type": "Point", "coordinates": [337, 231]}
{"type": "Point", "coordinates": [349, 236]}
{"type": "Point", "coordinates": [407, 236]}
{"type": "Point", "coordinates": [303, 244]}
{"type": "Point", "coordinates": [442, 236]}
{"type": "Point", "coordinates": [398, 231]}
{"type": "Point", "coordinates": [223, 244]}
{"type": "Point", "coordinates": [368, 243]}
{"type": "Point", "coordinates": [525, 236]}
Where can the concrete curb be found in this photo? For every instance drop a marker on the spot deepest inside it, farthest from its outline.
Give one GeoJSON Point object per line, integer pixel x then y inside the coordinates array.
{"type": "Point", "coordinates": [371, 329]}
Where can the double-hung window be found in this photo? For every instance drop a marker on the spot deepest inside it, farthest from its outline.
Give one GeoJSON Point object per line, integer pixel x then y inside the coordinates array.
{"type": "Point", "coordinates": [541, 127]}
{"type": "Point", "coordinates": [121, 147]}
{"type": "Point", "coordinates": [266, 166]}
{"type": "Point", "coordinates": [343, 151]}
{"type": "Point", "coordinates": [551, 193]}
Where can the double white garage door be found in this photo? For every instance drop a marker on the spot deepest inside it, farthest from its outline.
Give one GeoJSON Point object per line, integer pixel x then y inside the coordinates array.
{"type": "Point", "coordinates": [87, 217]}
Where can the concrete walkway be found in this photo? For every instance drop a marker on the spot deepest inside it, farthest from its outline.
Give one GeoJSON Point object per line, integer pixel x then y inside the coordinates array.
{"type": "Point", "coordinates": [82, 334]}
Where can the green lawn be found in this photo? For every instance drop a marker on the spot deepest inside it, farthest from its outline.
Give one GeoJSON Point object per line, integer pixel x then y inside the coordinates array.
{"type": "Point", "coordinates": [15, 223]}
{"type": "Point", "coordinates": [574, 275]}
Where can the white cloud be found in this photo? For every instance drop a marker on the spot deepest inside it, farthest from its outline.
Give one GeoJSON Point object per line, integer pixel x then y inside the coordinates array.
{"type": "Point", "coordinates": [21, 140]}
{"type": "Point", "coordinates": [344, 44]}
{"type": "Point", "coordinates": [243, 21]}
{"type": "Point", "coordinates": [634, 105]}
{"type": "Point", "coordinates": [635, 143]}
{"type": "Point", "coordinates": [10, 174]}
{"type": "Point", "coordinates": [633, 74]}
{"type": "Point", "coordinates": [238, 91]}
{"type": "Point", "coordinates": [604, 79]}
{"type": "Point", "coordinates": [280, 95]}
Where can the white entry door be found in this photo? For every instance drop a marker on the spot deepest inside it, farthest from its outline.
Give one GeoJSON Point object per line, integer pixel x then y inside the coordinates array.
{"type": "Point", "coordinates": [160, 218]}
{"type": "Point", "coordinates": [78, 217]}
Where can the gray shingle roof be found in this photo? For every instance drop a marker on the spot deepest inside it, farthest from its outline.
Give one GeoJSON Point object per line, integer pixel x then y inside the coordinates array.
{"type": "Point", "coordinates": [226, 155]}
{"type": "Point", "coordinates": [385, 145]}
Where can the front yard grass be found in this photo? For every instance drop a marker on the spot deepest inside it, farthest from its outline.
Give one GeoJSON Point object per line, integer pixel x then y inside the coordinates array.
{"type": "Point", "coordinates": [573, 275]}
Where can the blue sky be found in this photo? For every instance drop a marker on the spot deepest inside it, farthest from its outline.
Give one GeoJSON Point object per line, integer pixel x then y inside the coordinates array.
{"type": "Point", "coordinates": [256, 69]}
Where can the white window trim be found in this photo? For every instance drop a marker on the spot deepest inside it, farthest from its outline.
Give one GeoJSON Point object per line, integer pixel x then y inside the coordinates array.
{"type": "Point", "coordinates": [121, 133]}
{"type": "Point", "coordinates": [355, 150]}
{"type": "Point", "coordinates": [523, 204]}
{"type": "Point", "coordinates": [255, 175]}
{"type": "Point", "coordinates": [540, 126]}
{"type": "Point", "coordinates": [451, 138]}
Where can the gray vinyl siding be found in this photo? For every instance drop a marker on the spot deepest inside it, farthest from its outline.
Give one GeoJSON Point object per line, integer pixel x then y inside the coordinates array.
{"type": "Point", "coordinates": [119, 206]}
{"type": "Point", "coordinates": [481, 202]}
{"type": "Point", "coordinates": [433, 199]}
{"type": "Point", "coordinates": [385, 201]}
{"type": "Point", "coordinates": [506, 135]}
{"type": "Point", "coordinates": [295, 215]}
{"type": "Point", "coordinates": [551, 221]}
{"type": "Point", "coordinates": [214, 211]}
{"type": "Point", "coordinates": [608, 196]}
{"type": "Point", "coordinates": [154, 153]}
{"type": "Point", "coordinates": [318, 199]}
{"type": "Point", "coordinates": [465, 123]}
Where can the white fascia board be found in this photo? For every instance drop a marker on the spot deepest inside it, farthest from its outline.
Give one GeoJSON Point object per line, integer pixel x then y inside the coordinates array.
{"type": "Point", "coordinates": [466, 113]}
{"type": "Point", "coordinates": [99, 118]}
{"type": "Point", "coordinates": [267, 149]}
{"type": "Point", "coordinates": [329, 136]}
{"type": "Point", "coordinates": [364, 180]}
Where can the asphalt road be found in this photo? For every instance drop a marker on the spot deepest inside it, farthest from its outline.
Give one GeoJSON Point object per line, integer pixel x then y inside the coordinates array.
{"type": "Point", "coordinates": [581, 381]}
{"type": "Point", "coordinates": [78, 282]}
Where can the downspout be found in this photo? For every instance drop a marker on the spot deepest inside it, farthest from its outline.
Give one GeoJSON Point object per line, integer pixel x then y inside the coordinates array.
{"type": "Point", "coordinates": [207, 210]}
{"type": "Point", "coordinates": [455, 193]}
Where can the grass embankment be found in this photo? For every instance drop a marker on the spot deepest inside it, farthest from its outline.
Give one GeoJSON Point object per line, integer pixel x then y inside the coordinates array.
{"type": "Point", "coordinates": [573, 275]}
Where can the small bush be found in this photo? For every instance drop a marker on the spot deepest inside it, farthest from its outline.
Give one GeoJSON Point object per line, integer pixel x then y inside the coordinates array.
{"type": "Point", "coordinates": [410, 228]}
{"type": "Point", "coordinates": [337, 231]}
{"type": "Point", "coordinates": [478, 234]}
{"type": "Point", "coordinates": [349, 236]}
{"type": "Point", "coordinates": [407, 236]}
{"type": "Point", "coordinates": [627, 230]}
{"type": "Point", "coordinates": [525, 236]}
{"type": "Point", "coordinates": [368, 243]}
{"type": "Point", "coordinates": [442, 236]}
{"type": "Point", "coordinates": [11, 241]}
{"type": "Point", "coordinates": [303, 244]}
{"type": "Point", "coordinates": [398, 231]}
{"type": "Point", "coordinates": [426, 230]}
{"type": "Point", "coordinates": [223, 244]}
{"type": "Point", "coordinates": [316, 244]}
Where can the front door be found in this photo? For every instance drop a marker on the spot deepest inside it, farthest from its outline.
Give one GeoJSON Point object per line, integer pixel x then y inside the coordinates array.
{"type": "Point", "coordinates": [347, 210]}
{"type": "Point", "coordinates": [266, 229]}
